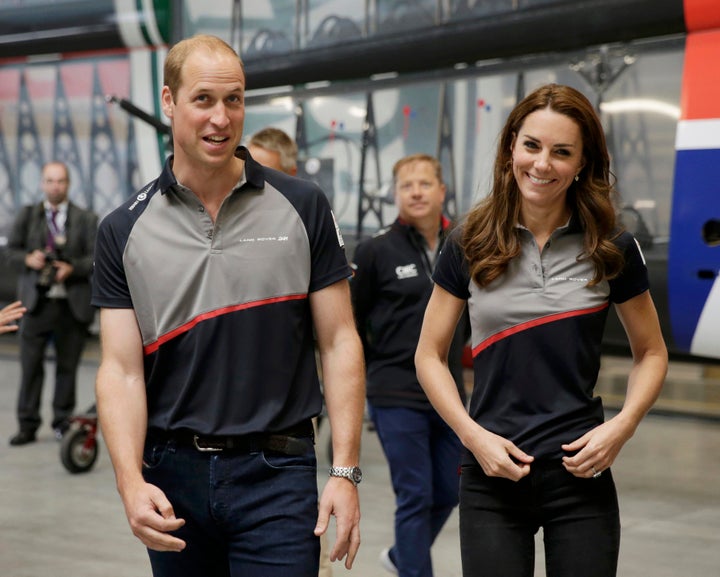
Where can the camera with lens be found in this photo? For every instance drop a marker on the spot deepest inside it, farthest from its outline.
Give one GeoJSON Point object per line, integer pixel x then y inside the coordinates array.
{"type": "Point", "coordinates": [46, 276]}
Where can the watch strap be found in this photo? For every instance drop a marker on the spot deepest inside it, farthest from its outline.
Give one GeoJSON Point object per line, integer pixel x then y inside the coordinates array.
{"type": "Point", "coordinates": [352, 474]}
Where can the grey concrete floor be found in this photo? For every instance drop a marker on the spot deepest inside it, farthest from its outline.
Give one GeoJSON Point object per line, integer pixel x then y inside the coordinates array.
{"type": "Point", "coordinates": [56, 524]}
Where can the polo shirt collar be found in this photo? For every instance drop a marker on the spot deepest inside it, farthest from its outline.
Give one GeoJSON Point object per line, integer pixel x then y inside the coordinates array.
{"type": "Point", "coordinates": [572, 226]}
{"type": "Point", "coordinates": [253, 169]}
{"type": "Point", "coordinates": [252, 172]}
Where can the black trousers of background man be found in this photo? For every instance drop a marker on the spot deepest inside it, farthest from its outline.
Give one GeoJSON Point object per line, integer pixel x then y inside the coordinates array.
{"type": "Point", "coordinates": [51, 321]}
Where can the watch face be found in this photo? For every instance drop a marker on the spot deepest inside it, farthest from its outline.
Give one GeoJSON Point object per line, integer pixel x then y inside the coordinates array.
{"type": "Point", "coordinates": [356, 475]}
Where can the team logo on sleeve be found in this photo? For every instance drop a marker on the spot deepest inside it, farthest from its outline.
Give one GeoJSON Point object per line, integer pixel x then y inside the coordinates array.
{"type": "Point", "coordinates": [142, 196]}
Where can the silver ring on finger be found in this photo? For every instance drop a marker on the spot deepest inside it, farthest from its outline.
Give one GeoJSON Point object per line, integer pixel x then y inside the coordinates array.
{"type": "Point", "coordinates": [595, 472]}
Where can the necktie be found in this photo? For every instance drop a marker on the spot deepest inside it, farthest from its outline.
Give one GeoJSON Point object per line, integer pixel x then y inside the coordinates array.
{"type": "Point", "coordinates": [52, 229]}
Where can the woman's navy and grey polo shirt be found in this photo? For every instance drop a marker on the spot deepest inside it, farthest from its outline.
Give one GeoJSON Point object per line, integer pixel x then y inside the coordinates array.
{"type": "Point", "coordinates": [536, 335]}
{"type": "Point", "coordinates": [223, 307]}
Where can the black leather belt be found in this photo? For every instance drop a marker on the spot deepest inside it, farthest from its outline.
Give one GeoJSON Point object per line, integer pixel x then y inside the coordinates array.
{"type": "Point", "coordinates": [293, 441]}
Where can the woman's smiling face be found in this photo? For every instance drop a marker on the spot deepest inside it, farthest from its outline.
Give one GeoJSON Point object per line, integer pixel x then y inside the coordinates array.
{"type": "Point", "coordinates": [547, 154]}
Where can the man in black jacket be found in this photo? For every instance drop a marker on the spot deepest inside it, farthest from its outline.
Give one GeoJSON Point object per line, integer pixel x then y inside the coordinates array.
{"type": "Point", "coordinates": [51, 246]}
{"type": "Point", "coordinates": [390, 288]}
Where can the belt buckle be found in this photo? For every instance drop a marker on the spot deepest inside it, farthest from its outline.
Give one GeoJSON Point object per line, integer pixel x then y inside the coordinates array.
{"type": "Point", "coordinates": [205, 449]}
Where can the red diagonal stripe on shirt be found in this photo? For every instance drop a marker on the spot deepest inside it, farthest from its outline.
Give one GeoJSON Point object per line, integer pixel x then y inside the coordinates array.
{"type": "Point", "coordinates": [534, 323]}
{"type": "Point", "coordinates": [154, 346]}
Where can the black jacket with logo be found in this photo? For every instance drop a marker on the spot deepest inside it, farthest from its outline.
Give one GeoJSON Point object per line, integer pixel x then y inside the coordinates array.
{"type": "Point", "coordinates": [390, 289]}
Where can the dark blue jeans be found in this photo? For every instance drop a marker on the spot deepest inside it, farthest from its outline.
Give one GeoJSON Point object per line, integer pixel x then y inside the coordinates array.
{"type": "Point", "coordinates": [499, 518]}
{"type": "Point", "coordinates": [247, 515]}
{"type": "Point", "coordinates": [424, 458]}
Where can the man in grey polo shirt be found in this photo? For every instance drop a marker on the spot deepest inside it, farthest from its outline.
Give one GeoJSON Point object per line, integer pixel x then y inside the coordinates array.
{"type": "Point", "coordinates": [210, 282]}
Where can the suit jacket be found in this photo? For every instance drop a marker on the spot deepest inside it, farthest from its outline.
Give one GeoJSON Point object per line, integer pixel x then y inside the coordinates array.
{"type": "Point", "coordinates": [30, 232]}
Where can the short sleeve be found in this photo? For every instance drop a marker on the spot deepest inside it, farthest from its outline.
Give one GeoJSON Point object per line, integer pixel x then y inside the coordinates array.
{"type": "Point", "coordinates": [110, 288]}
{"type": "Point", "coordinates": [633, 280]}
{"type": "Point", "coordinates": [451, 270]}
{"type": "Point", "coordinates": [327, 248]}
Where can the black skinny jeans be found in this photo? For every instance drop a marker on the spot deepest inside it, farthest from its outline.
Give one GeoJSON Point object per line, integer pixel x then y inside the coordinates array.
{"type": "Point", "coordinates": [499, 519]}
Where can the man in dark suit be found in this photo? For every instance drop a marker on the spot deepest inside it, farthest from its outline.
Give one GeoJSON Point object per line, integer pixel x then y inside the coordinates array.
{"type": "Point", "coordinates": [51, 246]}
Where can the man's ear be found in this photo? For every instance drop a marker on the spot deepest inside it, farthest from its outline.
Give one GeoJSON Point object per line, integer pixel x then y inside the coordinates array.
{"type": "Point", "coordinates": [166, 100]}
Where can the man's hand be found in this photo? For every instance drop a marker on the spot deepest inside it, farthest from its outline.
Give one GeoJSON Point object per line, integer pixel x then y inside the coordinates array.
{"type": "Point", "coordinates": [62, 270]}
{"type": "Point", "coordinates": [152, 518]}
{"type": "Point", "coordinates": [35, 259]}
{"type": "Point", "coordinates": [340, 498]}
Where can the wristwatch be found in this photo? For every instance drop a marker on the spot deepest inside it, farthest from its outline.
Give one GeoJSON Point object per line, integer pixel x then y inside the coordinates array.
{"type": "Point", "coordinates": [352, 474]}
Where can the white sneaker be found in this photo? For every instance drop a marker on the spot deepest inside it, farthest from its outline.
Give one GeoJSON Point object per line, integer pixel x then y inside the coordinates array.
{"type": "Point", "coordinates": [387, 563]}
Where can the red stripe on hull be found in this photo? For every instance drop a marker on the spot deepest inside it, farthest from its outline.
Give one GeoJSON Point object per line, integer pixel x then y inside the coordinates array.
{"type": "Point", "coordinates": [701, 14]}
{"type": "Point", "coordinates": [701, 84]}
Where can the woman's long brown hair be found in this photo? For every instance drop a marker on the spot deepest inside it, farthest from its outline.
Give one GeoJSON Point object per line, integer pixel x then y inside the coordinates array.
{"type": "Point", "coordinates": [490, 238]}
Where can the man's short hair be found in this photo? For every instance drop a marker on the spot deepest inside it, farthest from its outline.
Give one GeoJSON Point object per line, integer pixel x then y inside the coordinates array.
{"type": "Point", "coordinates": [420, 157]}
{"type": "Point", "coordinates": [276, 140]}
{"type": "Point", "coordinates": [178, 54]}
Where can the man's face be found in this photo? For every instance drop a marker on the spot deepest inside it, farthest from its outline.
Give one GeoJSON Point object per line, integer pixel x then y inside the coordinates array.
{"type": "Point", "coordinates": [269, 158]}
{"type": "Point", "coordinates": [419, 194]}
{"type": "Point", "coordinates": [55, 183]}
{"type": "Point", "coordinates": [208, 111]}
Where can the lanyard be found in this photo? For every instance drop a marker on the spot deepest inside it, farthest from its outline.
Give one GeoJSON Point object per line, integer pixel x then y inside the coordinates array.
{"type": "Point", "coordinates": [56, 236]}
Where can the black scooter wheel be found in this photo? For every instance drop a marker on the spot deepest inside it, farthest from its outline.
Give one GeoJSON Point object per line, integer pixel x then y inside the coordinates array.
{"type": "Point", "coordinates": [76, 457]}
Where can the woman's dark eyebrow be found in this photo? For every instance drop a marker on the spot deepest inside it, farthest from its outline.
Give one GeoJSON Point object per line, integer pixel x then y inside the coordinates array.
{"type": "Point", "coordinates": [558, 145]}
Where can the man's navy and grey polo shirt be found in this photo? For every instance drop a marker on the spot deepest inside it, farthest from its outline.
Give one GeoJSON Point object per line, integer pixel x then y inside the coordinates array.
{"type": "Point", "coordinates": [536, 334]}
{"type": "Point", "coordinates": [223, 308]}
